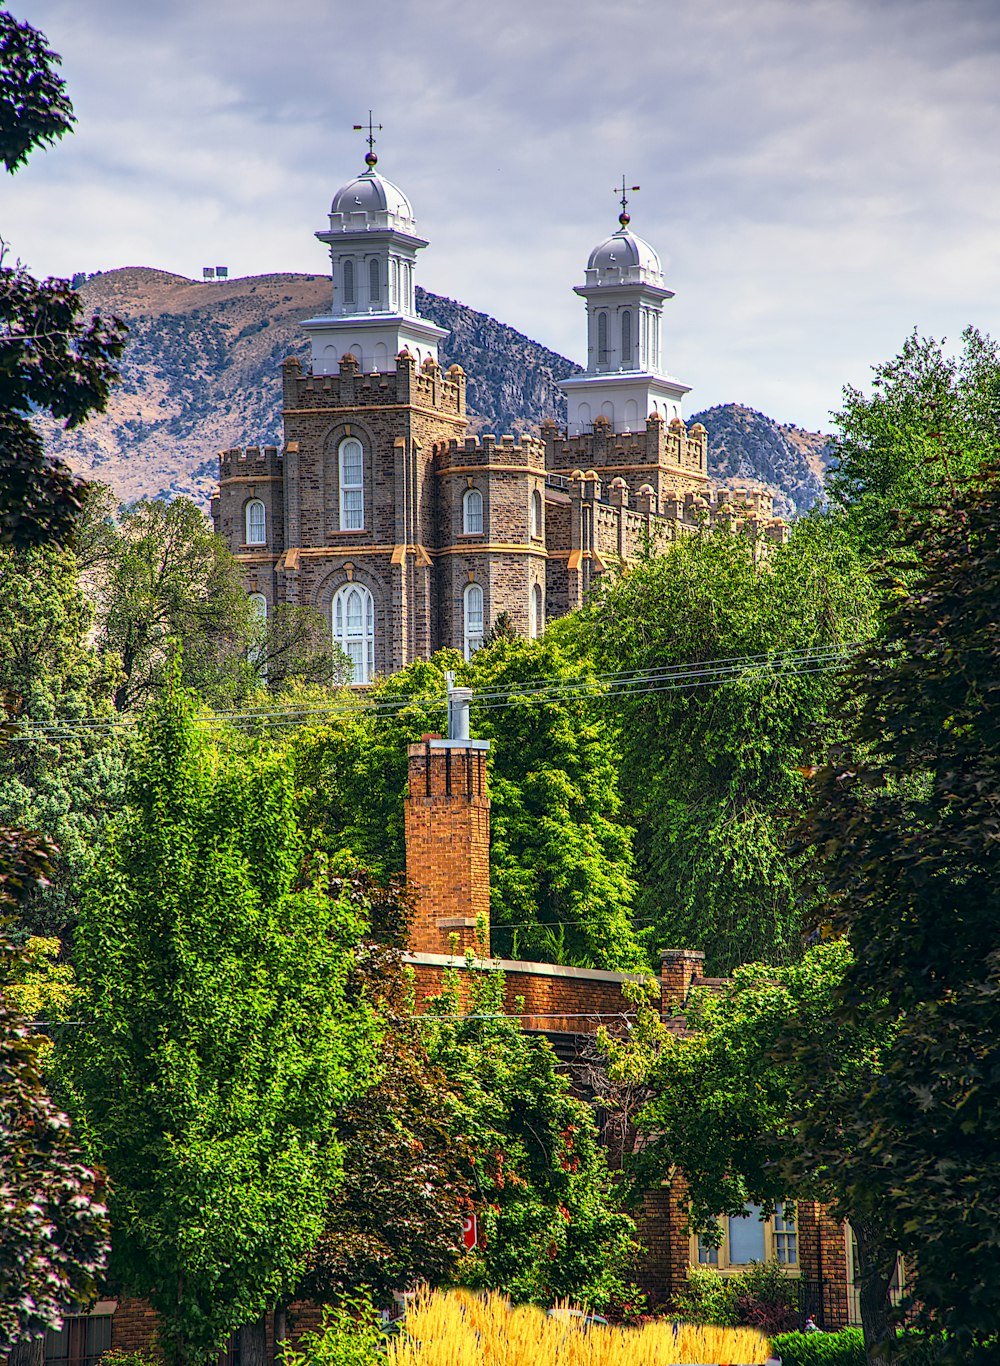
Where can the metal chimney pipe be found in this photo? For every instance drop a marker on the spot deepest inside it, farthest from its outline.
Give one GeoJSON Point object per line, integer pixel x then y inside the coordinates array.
{"type": "Point", "coordinates": [458, 713]}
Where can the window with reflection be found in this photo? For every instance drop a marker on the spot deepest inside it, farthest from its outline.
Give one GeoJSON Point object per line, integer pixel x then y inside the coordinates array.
{"type": "Point", "coordinates": [474, 632]}
{"type": "Point", "coordinates": [472, 513]}
{"type": "Point", "coordinates": [354, 629]}
{"type": "Point", "coordinates": [256, 522]}
{"type": "Point", "coordinates": [352, 485]}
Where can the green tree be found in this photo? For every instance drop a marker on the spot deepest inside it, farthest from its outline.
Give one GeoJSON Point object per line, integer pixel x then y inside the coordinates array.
{"type": "Point", "coordinates": [53, 1234]}
{"type": "Point", "coordinates": [161, 575]}
{"type": "Point", "coordinates": [395, 1219]}
{"type": "Point", "coordinates": [62, 772]}
{"type": "Point", "coordinates": [50, 360]}
{"type": "Point", "coordinates": [53, 1227]}
{"type": "Point", "coordinates": [757, 1102]}
{"type": "Point", "coordinates": [549, 1210]}
{"type": "Point", "coordinates": [213, 960]}
{"type": "Point", "coordinates": [930, 421]}
{"type": "Point", "coordinates": [561, 852]}
{"type": "Point", "coordinates": [912, 867]}
{"type": "Point", "coordinates": [712, 769]}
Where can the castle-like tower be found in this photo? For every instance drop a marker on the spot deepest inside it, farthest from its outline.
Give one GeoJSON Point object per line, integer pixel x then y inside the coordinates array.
{"type": "Point", "coordinates": [623, 382]}
{"type": "Point", "coordinates": [409, 536]}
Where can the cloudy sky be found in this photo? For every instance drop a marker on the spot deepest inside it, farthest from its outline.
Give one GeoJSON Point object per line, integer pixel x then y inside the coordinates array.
{"type": "Point", "coordinates": [820, 176]}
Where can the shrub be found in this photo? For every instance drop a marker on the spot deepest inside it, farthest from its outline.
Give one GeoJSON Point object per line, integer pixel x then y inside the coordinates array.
{"type": "Point", "coordinates": [846, 1348]}
{"type": "Point", "coordinates": [708, 1297]}
{"type": "Point", "coordinates": [760, 1297]}
{"type": "Point", "coordinates": [348, 1335]}
{"type": "Point", "coordinates": [766, 1299]}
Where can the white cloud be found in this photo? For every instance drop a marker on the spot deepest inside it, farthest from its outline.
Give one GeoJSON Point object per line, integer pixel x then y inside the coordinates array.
{"type": "Point", "coordinates": [820, 173]}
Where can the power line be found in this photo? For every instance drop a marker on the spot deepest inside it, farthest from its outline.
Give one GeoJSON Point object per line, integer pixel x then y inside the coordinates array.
{"type": "Point", "coordinates": [788, 663]}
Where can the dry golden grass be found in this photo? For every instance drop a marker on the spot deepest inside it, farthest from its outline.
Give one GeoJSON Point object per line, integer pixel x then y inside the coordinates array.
{"type": "Point", "coordinates": [460, 1329]}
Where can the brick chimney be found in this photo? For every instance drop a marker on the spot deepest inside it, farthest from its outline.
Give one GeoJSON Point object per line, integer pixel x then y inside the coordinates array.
{"type": "Point", "coordinates": [447, 814]}
{"type": "Point", "coordinates": [678, 969]}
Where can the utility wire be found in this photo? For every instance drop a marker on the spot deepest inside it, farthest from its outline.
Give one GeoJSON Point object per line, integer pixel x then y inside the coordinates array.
{"type": "Point", "coordinates": [788, 664]}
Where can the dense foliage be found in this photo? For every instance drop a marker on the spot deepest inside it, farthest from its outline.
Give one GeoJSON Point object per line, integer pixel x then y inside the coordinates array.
{"type": "Point", "coordinates": [50, 360]}
{"type": "Point", "coordinates": [213, 961]}
{"type": "Point", "coordinates": [62, 771]}
{"type": "Point", "coordinates": [908, 831]}
{"type": "Point", "coordinates": [550, 1215]}
{"type": "Point", "coordinates": [930, 421]}
{"type": "Point", "coordinates": [712, 769]}
{"type": "Point", "coordinates": [759, 1100]}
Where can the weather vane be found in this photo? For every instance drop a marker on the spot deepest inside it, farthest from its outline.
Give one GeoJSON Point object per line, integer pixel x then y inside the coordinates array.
{"type": "Point", "coordinates": [373, 128]}
{"type": "Point", "coordinates": [626, 190]}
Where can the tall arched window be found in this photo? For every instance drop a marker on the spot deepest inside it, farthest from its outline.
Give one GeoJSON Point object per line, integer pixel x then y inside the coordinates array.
{"type": "Point", "coordinates": [536, 513]}
{"type": "Point", "coordinates": [537, 612]}
{"type": "Point", "coordinates": [374, 282]}
{"type": "Point", "coordinates": [354, 629]}
{"type": "Point", "coordinates": [627, 340]}
{"type": "Point", "coordinates": [473, 603]}
{"type": "Point", "coordinates": [348, 282]}
{"type": "Point", "coordinates": [352, 485]}
{"type": "Point", "coordinates": [472, 512]}
{"type": "Point", "coordinates": [258, 605]}
{"type": "Point", "coordinates": [256, 519]}
{"type": "Point", "coordinates": [602, 339]}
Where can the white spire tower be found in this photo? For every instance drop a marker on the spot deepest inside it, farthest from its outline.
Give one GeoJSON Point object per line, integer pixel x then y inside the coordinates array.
{"type": "Point", "coordinates": [373, 246]}
{"type": "Point", "coordinates": [624, 380]}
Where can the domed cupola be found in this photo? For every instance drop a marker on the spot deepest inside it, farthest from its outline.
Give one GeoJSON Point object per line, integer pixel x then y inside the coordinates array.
{"type": "Point", "coordinates": [624, 258]}
{"type": "Point", "coordinates": [371, 201]}
{"type": "Point", "coordinates": [373, 245]}
{"type": "Point", "coordinates": [624, 381]}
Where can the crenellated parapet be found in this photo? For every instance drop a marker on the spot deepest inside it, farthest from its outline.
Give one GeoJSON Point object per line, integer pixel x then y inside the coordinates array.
{"type": "Point", "coordinates": [659, 453]}
{"type": "Point", "coordinates": [522, 450]}
{"type": "Point", "coordinates": [426, 386]}
{"type": "Point", "coordinates": [251, 462]}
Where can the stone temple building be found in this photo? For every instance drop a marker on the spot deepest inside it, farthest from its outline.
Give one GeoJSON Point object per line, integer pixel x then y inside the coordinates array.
{"type": "Point", "coordinates": [410, 535]}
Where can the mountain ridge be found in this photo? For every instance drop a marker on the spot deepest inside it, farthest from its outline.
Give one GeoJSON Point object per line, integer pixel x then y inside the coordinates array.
{"type": "Point", "coordinates": [201, 373]}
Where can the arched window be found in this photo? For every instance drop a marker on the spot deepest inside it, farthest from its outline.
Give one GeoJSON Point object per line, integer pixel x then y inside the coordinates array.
{"type": "Point", "coordinates": [473, 619]}
{"type": "Point", "coordinates": [256, 518]}
{"type": "Point", "coordinates": [258, 605]}
{"type": "Point", "coordinates": [627, 340]}
{"type": "Point", "coordinates": [536, 513]}
{"type": "Point", "coordinates": [537, 612]}
{"type": "Point", "coordinates": [348, 282]}
{"type": "Point", "coordinates": [352, 485]}
{"type": "Point", "coordinates": [374, 282]}
{"type": "Point", "coordinates": [602, 339]}
{"type": "Point", "coordinates": [354, 629]}
{"type": "Point", "coordinates": [472, 512]}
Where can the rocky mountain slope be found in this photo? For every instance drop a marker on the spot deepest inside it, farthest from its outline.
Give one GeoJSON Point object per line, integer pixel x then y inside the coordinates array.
{"type": "Point", "coordinates": [201, 374]}
{"type": "Point", "coordinates": [745, 445]}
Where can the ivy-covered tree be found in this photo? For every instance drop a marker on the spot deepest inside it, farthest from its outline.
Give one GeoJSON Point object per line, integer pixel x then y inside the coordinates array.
{"type": "Point", "coordinates": [908, 830]}
{"type": "Point", "coordinates": [930, 420]}
{"type": "Point", "coordinates": [712, 768]}
{"type": "Point", "coordinates": [213, 958]}
{"type": "Point", "coordinates": [561, 852]}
